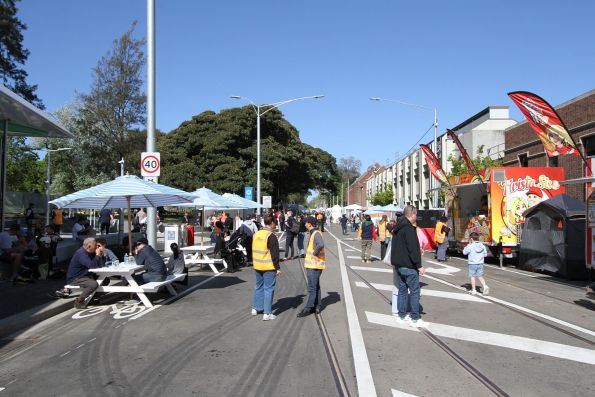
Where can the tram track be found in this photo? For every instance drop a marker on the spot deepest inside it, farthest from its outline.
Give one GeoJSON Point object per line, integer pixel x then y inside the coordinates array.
{"type": "Point", "coordinates": [473, 371]}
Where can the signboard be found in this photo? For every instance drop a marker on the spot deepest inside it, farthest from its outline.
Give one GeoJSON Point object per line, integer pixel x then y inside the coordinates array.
{"type": "Point", "coordinates": [150, 163]}
{"type": "Point", "coordinates": [248, 192]}
{"type": "Point", "coordinates": [267, 201]}
{"type": "Point", "coordinates": [150, 178]}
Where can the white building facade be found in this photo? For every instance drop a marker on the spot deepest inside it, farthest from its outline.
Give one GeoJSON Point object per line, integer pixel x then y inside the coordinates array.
{"type": "Point", "coordinates": [410, 177]}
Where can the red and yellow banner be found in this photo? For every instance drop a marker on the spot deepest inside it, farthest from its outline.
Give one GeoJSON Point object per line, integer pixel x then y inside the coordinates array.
{"type": "Point", "coordinates": [546, 123]}
{"type": "Point", "coordinates": [462, 150]}
{"type": "Point", "coordinates": [434, 164]}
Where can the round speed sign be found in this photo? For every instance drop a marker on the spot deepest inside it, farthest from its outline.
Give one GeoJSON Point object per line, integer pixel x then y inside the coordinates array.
{"type": "Point", "coordinates": [150, 164]}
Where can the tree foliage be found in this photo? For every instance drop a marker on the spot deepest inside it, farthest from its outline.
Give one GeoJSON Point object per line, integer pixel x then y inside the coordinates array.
{"type": "Point", "coordinates": [480, 162]}
{"type": "Point", "coordinates": [108, 117]}
{"type": "Point", "coordinates": [349, 168]}
{"type": "Point", "coordinates": [384, 197]}
{"type": "Point", "coordinates": [218, 150]}
{"type": "Point", "coordinates": [12, 53]}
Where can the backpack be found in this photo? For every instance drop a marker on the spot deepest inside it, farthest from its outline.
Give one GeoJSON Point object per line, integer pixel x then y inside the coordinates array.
{"type": "Point", "coordinates": [295, 227]}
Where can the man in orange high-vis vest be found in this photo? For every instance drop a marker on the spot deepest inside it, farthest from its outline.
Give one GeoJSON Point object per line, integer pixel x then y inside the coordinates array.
{"type": "Point", "coordinates": [265, 260]}
{"type": "Point", "coordinates": [440, 233]}
{"type": "Point", "coordinates": [314, 263]}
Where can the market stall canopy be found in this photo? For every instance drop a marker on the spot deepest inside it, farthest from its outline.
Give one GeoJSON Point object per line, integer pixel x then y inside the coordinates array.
{"type": "Point", "coordinates": [242, 201]}
{"type": "Point", "coordinates": [375, 209]}
{"type": "Point", "coordinates": [392, 208]}
{"type": "Point", "coordinates": [24, 119]}
{"type": "Point", "coordinates": [353, 207]}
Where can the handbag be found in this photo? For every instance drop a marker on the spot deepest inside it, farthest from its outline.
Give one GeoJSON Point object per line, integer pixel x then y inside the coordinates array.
{"type": "Point", "coordinates": [387, 255]}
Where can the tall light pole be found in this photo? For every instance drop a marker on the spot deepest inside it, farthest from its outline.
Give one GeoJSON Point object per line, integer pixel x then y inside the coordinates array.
{"type": "Point", "coordinates": [435, 128]}
{"type": "Point", "coordinates": [259, 112]}
{"type": "Point", "coordinates": [151, 212]}
{"type": "Point", "coordinates": [48, 180]}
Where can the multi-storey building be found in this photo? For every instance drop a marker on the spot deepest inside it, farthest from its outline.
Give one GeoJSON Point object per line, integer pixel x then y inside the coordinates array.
{"type": "Point", "coordinates": [410, 176]}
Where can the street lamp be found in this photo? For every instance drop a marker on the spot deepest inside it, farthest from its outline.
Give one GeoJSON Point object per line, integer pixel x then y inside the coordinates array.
{"type": "Point", "coordinates": [48, 180]}
{"type": "Point", "coordinates": [259, 112]}
{"type": "Point", "coordinates": [435, 126]}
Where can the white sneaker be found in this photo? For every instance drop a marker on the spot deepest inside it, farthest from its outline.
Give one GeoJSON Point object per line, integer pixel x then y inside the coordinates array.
{"type": "Point", "coordinates": [486, 290]}
{"type": "Point", "coordinates": [473, 292]}
{"type": "Point", "coordinates": [254, 312]}
{"type": "Point", "coordinates": [419, 323]}
{"type": "Point", "coordinates": [267, 317]}
{"type": "Point", "coordinates": [402, 320]}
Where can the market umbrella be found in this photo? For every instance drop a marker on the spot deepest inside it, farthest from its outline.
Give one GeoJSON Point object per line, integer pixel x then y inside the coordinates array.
{"type": "Point", "coordinates": [207, 199]}
{"type": "Point", "coordinates": [375, 209]}
{"type": "Point", "coordinates": [249, 204]}
{"type": "Point", "coordinates": [392, 208]}
{"type": "Point", "coordinates": [124, 192]}
{"type": "Point", "coordinates": [353, 207]}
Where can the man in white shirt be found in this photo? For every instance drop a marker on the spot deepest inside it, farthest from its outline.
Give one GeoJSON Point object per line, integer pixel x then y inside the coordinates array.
{"type": "Point", "coordinates": [78, 227]}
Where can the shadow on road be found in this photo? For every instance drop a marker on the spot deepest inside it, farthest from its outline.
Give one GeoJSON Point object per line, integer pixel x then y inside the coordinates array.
{"type": "Point", "coordinates": [291, 302]}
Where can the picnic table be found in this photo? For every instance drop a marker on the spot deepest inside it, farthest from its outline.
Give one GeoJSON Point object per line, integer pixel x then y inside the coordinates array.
{"type": "Point", "coordinates": [199, 255]}
{"type": "Point", "coordinates": [126, 272]}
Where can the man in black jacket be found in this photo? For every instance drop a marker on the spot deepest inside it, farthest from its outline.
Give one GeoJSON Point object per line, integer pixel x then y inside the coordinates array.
{"type": "Point", "coordinates": [407, 266]}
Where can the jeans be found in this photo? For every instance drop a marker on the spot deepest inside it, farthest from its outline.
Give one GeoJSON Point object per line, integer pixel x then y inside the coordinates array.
{"type": "Point", "coordinates": [344, 228]}
{"type": "Point", "coordinates": [407, 281]}
{"type": "Point", "coordinates": [105, 228]}
{"type": "Point", "coordinates": [441, 251]}
{"type": "Point", "coordinates": [150, 277]}
{"type": "Point", "coordinates": [366, 249]}
{"type": "Point", "coordinates": [301, 243]}
{"type": "Point", "coordinates": [264, 290]}
{"type": "Point", "coordinates": [313, 276]}
{"type": "Point", "coordinates": [289, 244]}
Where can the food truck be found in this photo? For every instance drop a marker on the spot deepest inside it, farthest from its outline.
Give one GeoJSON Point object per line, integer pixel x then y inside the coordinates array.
{"type": "Point", "coordinates": [492, 204]}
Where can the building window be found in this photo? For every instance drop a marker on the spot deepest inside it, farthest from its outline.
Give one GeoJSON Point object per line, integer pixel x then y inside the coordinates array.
{"type": "Point", "coordinates": [523, 160]}
{"type": "Point", "coordinates": [589, 145]}
{"type": "Point", "coordinates": [552, 161]}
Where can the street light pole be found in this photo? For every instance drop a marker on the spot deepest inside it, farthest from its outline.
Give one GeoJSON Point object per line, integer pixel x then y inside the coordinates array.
{"type": "Point", "coordinates": [48, 180]}
{"type": "Point", "coordinates": [435, 131]}
{"type": "Point", "coordinates": [257, 110]}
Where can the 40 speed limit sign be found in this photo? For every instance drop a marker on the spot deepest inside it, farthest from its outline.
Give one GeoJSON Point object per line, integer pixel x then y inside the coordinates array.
{"type": "Point", "coordinates": [150, 163]}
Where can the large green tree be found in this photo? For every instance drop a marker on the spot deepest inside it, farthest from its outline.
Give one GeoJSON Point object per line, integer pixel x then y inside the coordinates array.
{"type": "Point", "coordinates": [480, 162]}
{"type": "Point", "coordinates": [108, 118]}
{"type": "Point", "coordinates": [218, 150]}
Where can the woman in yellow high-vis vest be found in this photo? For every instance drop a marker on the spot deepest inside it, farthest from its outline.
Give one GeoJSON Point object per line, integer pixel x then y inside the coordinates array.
{"type": "Point", "coordinates": [440, 233]}
{"type": "Point", "coordinates": [265, 260]}
{"type": "Point", "coordinates": [315, 263]}
{"type": "Point", "coordinates": [383, 235]}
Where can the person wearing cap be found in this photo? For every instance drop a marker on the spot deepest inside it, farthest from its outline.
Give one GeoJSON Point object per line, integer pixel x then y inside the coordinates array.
{"type": "Point", "coordinates": [146, 256]}
{"type": "Point", "coordinates": [265, 260]}
{"type": "Point", "coordinates": [314, 263]}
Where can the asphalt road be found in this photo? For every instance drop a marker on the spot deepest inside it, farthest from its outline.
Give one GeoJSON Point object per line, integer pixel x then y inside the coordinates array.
{"type": "Point", "coordinates": [533, 335]}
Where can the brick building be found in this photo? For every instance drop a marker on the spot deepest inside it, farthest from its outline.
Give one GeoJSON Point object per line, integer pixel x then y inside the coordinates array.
{"type": "Point", "coordinates": [358, 189]}
{"type": "Point", "coordinates": [522, 147]}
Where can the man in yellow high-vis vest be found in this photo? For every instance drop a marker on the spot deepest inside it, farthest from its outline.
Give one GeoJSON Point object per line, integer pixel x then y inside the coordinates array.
{"type": "Point", "coordinates": [314, 263]}
{"type": "Point", "coordinates": [440, 233]}
{"type": "Point", "coordinates": [265, 260]}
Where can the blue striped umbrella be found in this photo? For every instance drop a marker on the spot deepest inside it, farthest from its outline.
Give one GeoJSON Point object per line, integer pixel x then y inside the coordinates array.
{"type": "Point", "coordinates": [207, 199]}
{"type": "Point", "coordinates": [124, 192]}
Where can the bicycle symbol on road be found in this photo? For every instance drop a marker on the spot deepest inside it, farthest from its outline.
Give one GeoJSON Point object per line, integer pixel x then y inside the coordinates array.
{"type": "Point", "coordinates": [119, 311]}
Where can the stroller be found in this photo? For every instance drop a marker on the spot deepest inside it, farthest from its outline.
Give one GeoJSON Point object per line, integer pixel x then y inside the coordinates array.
{"type": "Point", "coordinates": [233, 252]}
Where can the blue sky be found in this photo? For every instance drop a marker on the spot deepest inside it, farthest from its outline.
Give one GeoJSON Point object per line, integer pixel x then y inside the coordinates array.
{"type": "Point", "coordinates": [458, 56]}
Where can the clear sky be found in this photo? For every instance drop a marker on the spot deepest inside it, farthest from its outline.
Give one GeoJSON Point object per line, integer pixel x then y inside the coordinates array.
{"type": "Point", "coordinates": [458, 56]}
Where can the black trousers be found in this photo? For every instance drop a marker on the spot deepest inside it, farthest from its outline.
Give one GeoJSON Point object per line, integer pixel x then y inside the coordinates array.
{"type": "Point", "coordinates": [87, 284]}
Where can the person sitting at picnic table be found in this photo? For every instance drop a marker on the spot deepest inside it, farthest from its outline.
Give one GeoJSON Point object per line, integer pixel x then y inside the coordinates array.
{"type": "Point", "coordinates": [89, 256]}
{"type": "Point", "coordinates": [81, 228]}
{"type": "Point", "coordinates": [176, 263]}
{"type": "Point", "coordinates": [109, 254]}
{"type": "Point", "coordinates": [146, 256]}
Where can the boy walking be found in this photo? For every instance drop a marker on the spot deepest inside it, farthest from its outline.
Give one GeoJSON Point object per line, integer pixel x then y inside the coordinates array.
{"type": "Point", "coordinates": [477, 252]}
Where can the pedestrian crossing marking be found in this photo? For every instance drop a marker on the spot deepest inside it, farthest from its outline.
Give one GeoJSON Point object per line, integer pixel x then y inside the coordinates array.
{"type": "Point", "coordinates": [353, 257]}
{"type": "Point", "coordinates": [373, 269]}
{"type": "Point", "coordinates": [546, 348]}
{"type": "Point", "coordinates": [429, 292]}
{"type": "Point", "coordinates": [397, 393]}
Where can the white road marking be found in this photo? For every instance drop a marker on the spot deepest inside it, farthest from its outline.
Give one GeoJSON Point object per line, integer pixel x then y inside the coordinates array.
{"type": "Point", "coordinates": [363, 372]}
{"type": "Point", "coordinates": [499, 268]}
{"type": "Point", "coordinates": [523, 309]}
{"type": "Point", "coordinates": [546, 348]}
{"type": "Point", "coordinates": [91, 340]}
{"type": "Point", "coordinates": [2, 388]}
{"type": "Point", "coordinates": [397, 393]}
{"type": "Point", "coordinates": [350, 250]}
{"type": "Point", "coordinates": [353, 257]}
{"type": "Point", "coordinates": [372, 269]}
{"type": "Point", "coordinates": [447, 269]}
{"type": "Point", "coordinates": [180, 295]}
{"type": "Point", "coordinates": [428, 292]}
{"type": "Point", "coordinates": [65, 354]}
{"type": "Point", "coordinates": [79, 346]}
